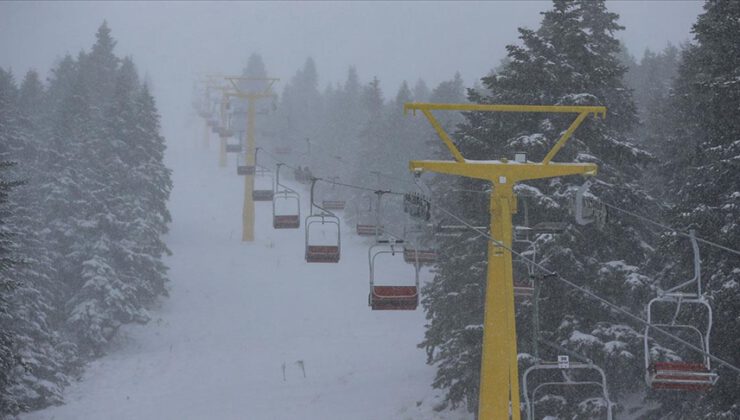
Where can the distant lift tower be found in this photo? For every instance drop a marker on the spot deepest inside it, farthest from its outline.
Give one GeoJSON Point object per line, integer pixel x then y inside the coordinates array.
{"type": "Point", "coordinates": [252, 89]}
{"type": "Point", "coordinates": [499, 378]}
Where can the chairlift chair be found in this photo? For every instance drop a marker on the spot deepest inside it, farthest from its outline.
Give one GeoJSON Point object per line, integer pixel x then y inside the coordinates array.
{"type": "Point", "coordinates": [367, 222]}
{"type": "Point", "coordinates": [321, 253]}
{"type": "Point", "coordinates": [286, 221]}
{"type": "Point", "coordinates": [263, 176]}
{"type": "Point", "coordinates": [334, 204]}
{"type": "Point", "coordinates": [243, 169]}
{"type": "Point", "coordinates": [290, 220]}
{"type": "Point", "coordinates": [263, 194]}
{"type": "Point", "coordinates": [415, 254]}
{"type": "Point", "coordinates": [394, 297]}
{"type": "Point", "coordinates": [233, 148]}
{"type": "Point", "coordinates": [679, 374]}
{"type": "Point", "coordinates": [417, 205]}
{"type": "Point", "coordinates": [589, 211]}
{"type": "Point", "coordinates": [530, 397]}
{"type": "Point", "coordinates": [224, 132]}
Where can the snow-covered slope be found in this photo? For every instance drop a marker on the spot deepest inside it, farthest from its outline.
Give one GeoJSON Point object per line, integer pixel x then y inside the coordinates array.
{"type": "Point", "coordinates": [241, 312]}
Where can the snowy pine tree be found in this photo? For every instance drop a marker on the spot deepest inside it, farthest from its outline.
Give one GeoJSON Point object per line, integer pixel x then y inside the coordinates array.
{"type": "Point", "coordinates": [9, 358]}
{"type": "Point", "coordinates": [700, 169]}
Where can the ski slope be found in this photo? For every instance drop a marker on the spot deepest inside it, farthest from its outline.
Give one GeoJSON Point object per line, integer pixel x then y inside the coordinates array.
{"type": "Point", "coordinates": [245, 320]}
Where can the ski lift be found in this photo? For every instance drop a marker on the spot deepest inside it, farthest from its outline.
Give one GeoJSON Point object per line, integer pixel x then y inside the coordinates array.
{"type": "Point", "coordinates": [263, 178]}
{"type": "Point", "coordinates": [394, 297]}
{"type": "Point", "coordinates": [315, 223]}
{"type": "Point", "coordinates": [567, 369]}
{"type": "Point", "coordinates": [589, 211]}
{"type": "Point", "coordinates": [365, 226]}
{"type": "Point", "coordinates": [233, 147]}
{"type": "Point", "coordinates": [417, 205]}
{"type": "Point", "coordinates": [682, 309]}
{"type": "Point", "coordinates": [524, 284]}
{"type": "Point", "coordinates": [292, 219]}
{"type": "Point", "coordinates": [333, 204]}
{"type": "Point", "coordinates": [243, 169]}
{"type": "Point", "coordinates": [414, 254]}
{"type": "Point", "coordinates": [224, 132]}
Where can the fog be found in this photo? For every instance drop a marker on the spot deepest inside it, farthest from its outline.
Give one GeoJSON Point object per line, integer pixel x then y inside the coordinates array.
{"type": "Point", "coordinates": [173, 42]}
{"type": "Point", "coordinates": [183, 275]}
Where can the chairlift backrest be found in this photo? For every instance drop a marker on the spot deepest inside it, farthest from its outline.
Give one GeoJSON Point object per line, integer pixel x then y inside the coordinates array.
{"type": "Point", "coordinates": [531, 397]}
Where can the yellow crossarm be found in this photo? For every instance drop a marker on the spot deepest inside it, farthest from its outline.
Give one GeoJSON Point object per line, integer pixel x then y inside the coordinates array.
{"type": "Point", "coordinates": [582, 111]}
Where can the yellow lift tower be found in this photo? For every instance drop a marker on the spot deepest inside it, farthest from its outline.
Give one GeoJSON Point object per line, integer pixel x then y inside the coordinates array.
{"type": "Point", "coordinates": [499, 379]}
{"type": "Point", "coordinates": [252, 89]}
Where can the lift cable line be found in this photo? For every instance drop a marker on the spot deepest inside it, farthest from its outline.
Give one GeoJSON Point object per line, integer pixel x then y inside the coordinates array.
{"type": "Point", "coordinates": [483, 233]}
{"type": "Point", "coordinates": [666, 227]}
{"type": "Point", "coordinates": [354, 167]}
{"type": "Point", "coordinates": [591, 294]}
{"type": "Point", "coordinates": [610, 205]}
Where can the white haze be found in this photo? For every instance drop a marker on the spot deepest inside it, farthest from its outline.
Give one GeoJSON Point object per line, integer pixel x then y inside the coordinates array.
{"type": "Point", "coordinates": [172, 42]}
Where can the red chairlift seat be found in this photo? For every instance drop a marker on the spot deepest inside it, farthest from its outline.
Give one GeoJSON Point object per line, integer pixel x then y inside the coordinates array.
{"type": "Point", "coordinates": [322, 253]}
{"type": "Point", "coordinates": [680, 376]}
{"type": "Point", "coordinates": [423, 256]}
{"type": "Point", "coordinates": [367, 230]}
{"type": "Point", "coordinates": [394, 298]}
{"type": "Point", "coordinates": [234, 148]}
{"type": "Point", "coordinates": [244, 169]}
{"type": "Point", "coordinates": [290, 221]}
{"type": "Point", "coordinates": [333, 204]}
{"type": "Point", "coordinates": [262, 195]}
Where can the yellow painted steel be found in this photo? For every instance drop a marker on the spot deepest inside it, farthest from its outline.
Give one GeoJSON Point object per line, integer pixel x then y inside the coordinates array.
{"type": "Point", "coordinates": [499, 378]}
{"type": "Point", "coordinates": [252, 96]}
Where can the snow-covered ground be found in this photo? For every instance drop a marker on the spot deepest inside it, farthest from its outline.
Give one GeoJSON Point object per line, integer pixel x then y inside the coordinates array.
{"type": "Point", "coordinates": [245, 320]}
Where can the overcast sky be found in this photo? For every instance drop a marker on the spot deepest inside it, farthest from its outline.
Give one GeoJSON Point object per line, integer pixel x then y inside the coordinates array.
{"type": "Point", "coordinates": [172, 42]}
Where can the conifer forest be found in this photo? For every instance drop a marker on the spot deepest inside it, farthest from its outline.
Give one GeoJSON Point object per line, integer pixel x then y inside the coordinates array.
{"type": "Point", "coordinates": [360, 210]}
